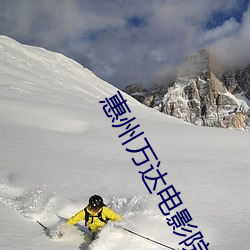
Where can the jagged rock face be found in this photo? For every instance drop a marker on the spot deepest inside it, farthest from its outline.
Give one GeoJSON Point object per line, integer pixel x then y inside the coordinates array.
{"type": "Point", "coordinates": [204, 102]}
{"type": "Point", "coordinates": [237, 81]}
{"type": "Point", "coordinates": [199, 97]}
{"type": "Point", "coordinates": [137, 91]}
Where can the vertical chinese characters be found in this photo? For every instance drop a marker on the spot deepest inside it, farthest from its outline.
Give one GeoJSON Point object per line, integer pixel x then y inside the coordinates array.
{"type": "Point", "coordinates": [116, 108]}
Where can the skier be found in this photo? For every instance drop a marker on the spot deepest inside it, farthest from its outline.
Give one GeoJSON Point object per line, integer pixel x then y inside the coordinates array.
{"type": "Point", "coordinates": [95, 214]}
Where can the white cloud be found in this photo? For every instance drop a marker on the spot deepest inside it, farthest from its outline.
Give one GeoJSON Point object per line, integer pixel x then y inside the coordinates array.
{"type": "Point", "coordinates": [233, 49]}
{"type": "Point", "coordinates": [97, 32]}
{"type": "Point", "coordinates": [228, 28]}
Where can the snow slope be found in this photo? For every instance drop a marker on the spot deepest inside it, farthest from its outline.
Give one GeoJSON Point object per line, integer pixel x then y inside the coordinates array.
{"type": "Point", "coordinates": [58, 148]}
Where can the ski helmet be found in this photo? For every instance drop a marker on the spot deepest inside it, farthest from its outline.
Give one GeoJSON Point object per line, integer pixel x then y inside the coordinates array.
{"type": "Point", "coordinates": [96, 202]}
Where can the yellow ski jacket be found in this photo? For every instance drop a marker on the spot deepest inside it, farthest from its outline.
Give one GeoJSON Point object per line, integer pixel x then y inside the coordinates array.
{"type": "Point", "coordinates": [94, 223]}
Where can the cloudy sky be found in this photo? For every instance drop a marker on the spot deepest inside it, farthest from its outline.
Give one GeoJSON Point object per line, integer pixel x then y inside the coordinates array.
{"type": "Point", "coordinates": [131, 41]}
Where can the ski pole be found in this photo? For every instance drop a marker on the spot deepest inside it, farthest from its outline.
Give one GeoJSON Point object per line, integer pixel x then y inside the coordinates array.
{"type": "Point", "coordinates": [148, 238]}
{"type": "Point", "coordinates": [45, 228]}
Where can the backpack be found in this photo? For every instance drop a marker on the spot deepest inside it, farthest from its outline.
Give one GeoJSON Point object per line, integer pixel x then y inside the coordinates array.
{"type": "Point", "coordinates": [99, 216]}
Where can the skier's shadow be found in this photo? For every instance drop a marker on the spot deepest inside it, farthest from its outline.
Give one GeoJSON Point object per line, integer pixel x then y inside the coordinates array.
{"type": "Point", "coordinates": [87, 237]}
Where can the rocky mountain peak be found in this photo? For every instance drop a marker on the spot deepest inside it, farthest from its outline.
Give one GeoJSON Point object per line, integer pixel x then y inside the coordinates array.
{"type": "Point", "coordinates": [196, 64]}
{"type": "Point", "coordinates": [200, 96]}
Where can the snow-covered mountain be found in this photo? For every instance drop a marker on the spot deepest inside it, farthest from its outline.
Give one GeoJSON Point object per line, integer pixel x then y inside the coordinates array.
{"type": "Point", "coordinates": [58, 147]}
{"type": "Point", "coordinates": [201, 95]}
